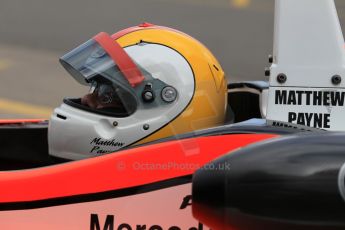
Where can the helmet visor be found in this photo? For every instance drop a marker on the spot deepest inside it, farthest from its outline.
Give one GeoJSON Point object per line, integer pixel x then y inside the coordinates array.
{"type": "Point", "coordinates": [102, 63]}
{"type": "Point", "coordinates": [101, 55]}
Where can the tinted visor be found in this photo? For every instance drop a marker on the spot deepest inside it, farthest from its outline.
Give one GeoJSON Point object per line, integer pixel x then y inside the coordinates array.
{"type": "Point", "coordinates": [102, 63]}
{"type": "Point", "coordinates": [101, 55]}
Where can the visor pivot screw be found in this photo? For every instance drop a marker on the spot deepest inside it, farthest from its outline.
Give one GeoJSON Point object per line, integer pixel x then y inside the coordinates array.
{"type": "Point", "coordinates": [270, 58]}
{"type": "Point", "coordinates": [281, 78]}
{"type": "Point", "coordinates": [336, 80]}
{"type": "Point", "coordinates": [115, 123]}
{"type": "Point", "coordinates": [148, 94]}
{"type": "Point", "coordinates": [169, 94]}
{"type": "Point", "coordinates": [146, 127]}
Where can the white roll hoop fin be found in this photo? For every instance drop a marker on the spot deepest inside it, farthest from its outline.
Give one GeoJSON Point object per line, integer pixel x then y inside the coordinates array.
{"type": "Point", "coordinates": [308, 42]}
{"type": "Point", "coordinates": [307, 76]}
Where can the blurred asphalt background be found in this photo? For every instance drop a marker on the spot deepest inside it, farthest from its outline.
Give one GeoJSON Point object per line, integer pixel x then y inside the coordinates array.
{"type": "Point", "coordinates": [35, 33]}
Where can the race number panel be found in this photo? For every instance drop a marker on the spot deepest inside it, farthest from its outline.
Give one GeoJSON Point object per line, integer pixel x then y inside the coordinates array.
{"type": "Point", "coordinates": [317, 107]}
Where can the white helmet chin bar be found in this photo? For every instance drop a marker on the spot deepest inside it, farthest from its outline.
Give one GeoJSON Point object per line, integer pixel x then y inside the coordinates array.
{"type": "Point", "coordinates": [77, 131]}
{"type": "Point", "coordinates": [307, 75]}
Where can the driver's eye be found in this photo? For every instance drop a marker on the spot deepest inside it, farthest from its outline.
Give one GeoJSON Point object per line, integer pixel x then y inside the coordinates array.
{"type": "Point", "coordinates": [106, 98]}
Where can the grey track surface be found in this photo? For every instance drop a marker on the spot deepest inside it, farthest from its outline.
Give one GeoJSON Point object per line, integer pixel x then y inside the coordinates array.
{"type": "Point", "coordinates": [33, 34]}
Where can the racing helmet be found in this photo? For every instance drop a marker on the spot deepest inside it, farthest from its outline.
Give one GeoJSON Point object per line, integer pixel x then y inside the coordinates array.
{"type": "Point", "coordinates": [146, 82]}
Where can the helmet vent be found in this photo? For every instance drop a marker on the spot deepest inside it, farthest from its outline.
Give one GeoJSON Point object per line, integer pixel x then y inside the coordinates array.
{"type": "Point", "coordinates": [214, 66]}
{"type": "Point", "coordinates": [61, 117]}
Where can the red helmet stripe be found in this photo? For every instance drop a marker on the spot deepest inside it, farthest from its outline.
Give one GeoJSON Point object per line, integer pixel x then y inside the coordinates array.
{"type": "Point", "coordinates": [121, 58]}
